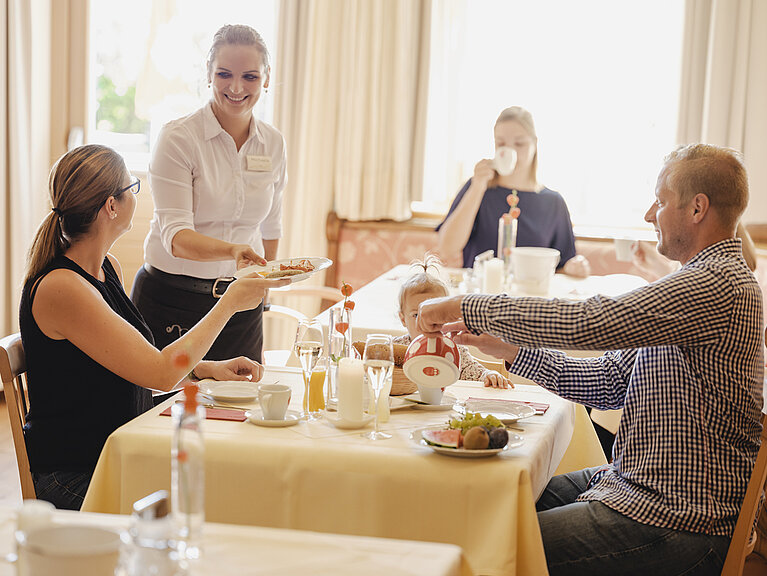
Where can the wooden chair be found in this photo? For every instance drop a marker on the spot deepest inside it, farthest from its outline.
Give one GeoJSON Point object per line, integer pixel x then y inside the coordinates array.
{"type": "Point", "coordinates": [744, 536]}
{"type": "Point", "coordinates": [13, 369]}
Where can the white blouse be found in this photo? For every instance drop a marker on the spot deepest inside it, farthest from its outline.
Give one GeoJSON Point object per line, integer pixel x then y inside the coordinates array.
{"type": "Point", "coordinates": [199, 181]}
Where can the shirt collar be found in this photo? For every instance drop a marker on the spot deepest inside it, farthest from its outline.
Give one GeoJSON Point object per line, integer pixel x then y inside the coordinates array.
{"type": "Point", "coordinates": [729, 246]}
{"type": "Point", "coordinates": [212, 128]}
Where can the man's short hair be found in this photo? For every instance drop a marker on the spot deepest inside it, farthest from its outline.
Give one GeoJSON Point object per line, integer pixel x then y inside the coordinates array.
{"type": "Point", "coordinates": [715, 171]}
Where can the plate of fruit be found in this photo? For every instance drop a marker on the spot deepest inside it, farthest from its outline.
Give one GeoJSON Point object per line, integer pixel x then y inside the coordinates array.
{"type": "Point", "coordinates": [474, 436]}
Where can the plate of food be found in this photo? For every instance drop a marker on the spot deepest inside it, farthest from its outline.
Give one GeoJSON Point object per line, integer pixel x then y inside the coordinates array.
{"type": "Point", "coordinates": [296, 269]}
{"type": "Point", "coordinates": [467, 438]}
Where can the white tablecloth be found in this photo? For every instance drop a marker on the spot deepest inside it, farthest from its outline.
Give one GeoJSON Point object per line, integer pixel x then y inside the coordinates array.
{"type": "Point", "coordinates": [241, 550]}
{"type": "Point", "coordinates": [313, 476]}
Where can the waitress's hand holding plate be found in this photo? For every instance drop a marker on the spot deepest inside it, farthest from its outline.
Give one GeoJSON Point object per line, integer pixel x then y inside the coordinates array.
{"type": "Point", "coordinates": [245, 256]}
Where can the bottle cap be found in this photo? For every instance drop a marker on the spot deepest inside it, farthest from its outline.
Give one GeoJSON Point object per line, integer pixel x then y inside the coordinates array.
{"type": "Point", "coordinates": [190, 397]}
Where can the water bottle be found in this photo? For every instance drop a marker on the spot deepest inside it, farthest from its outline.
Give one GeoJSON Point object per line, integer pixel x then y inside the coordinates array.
{"type": "Point", "coordinates": [188, 473]}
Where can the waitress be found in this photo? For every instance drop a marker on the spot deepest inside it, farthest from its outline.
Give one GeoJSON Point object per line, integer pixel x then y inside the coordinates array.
{"type": "Point", "coordinates": [217, 178]}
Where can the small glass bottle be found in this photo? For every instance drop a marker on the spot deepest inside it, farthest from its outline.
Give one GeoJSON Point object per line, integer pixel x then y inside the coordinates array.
{"type": "Point", "coordinates": [188, 473]}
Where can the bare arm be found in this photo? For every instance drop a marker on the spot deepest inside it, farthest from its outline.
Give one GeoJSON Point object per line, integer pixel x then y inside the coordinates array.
{"type": "Point", "coordinates": [192, 245]}
{"type": "Point", "coordinates": [92, 326]}
{"type": "Point", "coordinates": [456, 230]}
{"type": "Point", "coordinates": [270, 249]}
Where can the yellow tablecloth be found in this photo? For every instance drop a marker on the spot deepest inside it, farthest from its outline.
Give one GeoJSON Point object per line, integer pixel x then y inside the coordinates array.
{"type": "Point", "coordinates": [313, 476]}
{"type": "Point", "coordinates": [241, 550]}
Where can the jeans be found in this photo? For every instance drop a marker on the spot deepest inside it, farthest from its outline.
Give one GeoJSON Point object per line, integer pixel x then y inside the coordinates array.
{"type": "Point", "coordinates": [65, 490]}
{"type": "Point", "coordinates": [591, 538]}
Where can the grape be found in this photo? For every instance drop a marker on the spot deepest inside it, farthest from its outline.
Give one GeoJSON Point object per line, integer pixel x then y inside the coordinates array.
{"type": "Point", "coordinates": [473, 419]}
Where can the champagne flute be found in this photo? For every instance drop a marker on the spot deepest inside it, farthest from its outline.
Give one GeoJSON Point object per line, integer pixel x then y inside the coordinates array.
{"type": "Point", "coordinates": [378, 361]}
{"type": "Point", "coordinates": [308, 348]}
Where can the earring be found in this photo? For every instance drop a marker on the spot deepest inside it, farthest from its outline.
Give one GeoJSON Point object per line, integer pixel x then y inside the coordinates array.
{"type": "Point", "coordinates": [114, 215]}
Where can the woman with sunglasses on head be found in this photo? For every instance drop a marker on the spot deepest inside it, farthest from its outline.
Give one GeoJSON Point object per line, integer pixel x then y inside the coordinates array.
{"type": "Point", "coordinates": [91, 362]}
{"type": "Point", "coordinates": [217, 178]}
{"type": "Point", "coordinates": [471, 226]}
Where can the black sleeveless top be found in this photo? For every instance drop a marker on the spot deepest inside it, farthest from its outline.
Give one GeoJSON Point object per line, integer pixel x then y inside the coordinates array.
{"type": "Point", "coordinates": [75, 403]}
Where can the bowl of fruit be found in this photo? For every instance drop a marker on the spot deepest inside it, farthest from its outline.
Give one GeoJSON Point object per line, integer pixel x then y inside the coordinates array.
{"type": "Point", "coordinates": [473, 436]}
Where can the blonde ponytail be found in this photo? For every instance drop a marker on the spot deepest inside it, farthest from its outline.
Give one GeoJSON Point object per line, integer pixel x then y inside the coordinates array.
{"type": "Point", "coordinates": [422, 282]}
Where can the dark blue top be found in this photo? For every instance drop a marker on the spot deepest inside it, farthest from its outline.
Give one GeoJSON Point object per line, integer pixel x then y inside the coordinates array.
{"type": "Point", "coordinates": [74, 402]}
{"type": "Point", "coordinates": [544, 221]}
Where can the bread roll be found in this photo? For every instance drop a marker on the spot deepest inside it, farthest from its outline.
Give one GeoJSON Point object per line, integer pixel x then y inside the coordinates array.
{"type": "Point", "coordinates": [399, 351]}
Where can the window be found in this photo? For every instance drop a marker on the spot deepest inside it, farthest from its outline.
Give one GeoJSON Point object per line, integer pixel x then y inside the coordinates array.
{"type": "Point", "coordinates": [601, 79]}
{"type": "Point", "coordinates": [148, 65]}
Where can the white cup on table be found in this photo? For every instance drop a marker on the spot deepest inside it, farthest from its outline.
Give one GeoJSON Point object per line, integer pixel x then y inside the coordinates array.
{"type": "Point", "coordinates": [274, 400]}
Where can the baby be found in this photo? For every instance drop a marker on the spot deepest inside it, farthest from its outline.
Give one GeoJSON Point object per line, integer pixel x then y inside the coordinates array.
{"type": "Point", "coordinates": [423, 286]}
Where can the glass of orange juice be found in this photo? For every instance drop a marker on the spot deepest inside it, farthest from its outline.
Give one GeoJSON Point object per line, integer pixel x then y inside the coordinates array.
{"type": "Point", "coordinates": [317, 388]}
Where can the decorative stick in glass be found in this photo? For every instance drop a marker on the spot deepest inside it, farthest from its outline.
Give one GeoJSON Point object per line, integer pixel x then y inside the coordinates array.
{"type": "Point", "coordinates": [507, 231]}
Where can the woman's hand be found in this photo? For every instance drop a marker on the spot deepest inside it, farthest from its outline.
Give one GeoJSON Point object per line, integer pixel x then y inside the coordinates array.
{"type": "Point", "coordinates": [245, 256]}
{"type": "Point", "coordinates": [240, 368]}
{"type": "Point", "coordinates": [483, 173]}
{"type": "Point", "coordinates": [577, 266]}
{"type": "Point", "coordinates": [249, 291]}
{"type": "Point", "coordinates": [494, 380]}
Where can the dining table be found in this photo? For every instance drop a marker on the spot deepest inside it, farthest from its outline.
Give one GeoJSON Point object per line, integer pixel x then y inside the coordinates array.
{"type": "Point", "coordinates": [258, 551]}
{"type": "Point", "coordinates": [376, 310]}
{"type": "Point", "coordinates": [313, 476]}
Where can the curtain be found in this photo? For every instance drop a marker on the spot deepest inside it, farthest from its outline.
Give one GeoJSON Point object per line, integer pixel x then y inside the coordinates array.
{"type": "Point", "coordinates": [350, 82]}
{"type": "Point", "coordinates": [724, 86]}
{"type": "Point", "coordinates": [24, 101]}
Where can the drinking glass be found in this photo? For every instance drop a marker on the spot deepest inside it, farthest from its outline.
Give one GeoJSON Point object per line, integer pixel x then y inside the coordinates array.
{"type": "Point", "coordinates": [378, 361]}
{"type": "Point", "coordinates": [308, 348]}
{"type": "Point", "coordinates": [339, 346]}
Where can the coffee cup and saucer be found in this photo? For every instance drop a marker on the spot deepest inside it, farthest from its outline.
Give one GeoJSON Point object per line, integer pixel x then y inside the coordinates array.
{"type": "Point", "coordinates": [273, 413]}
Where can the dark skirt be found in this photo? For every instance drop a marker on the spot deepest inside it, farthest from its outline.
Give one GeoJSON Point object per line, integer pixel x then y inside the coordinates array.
{"type": "Point", "coordinates": [170, 312]}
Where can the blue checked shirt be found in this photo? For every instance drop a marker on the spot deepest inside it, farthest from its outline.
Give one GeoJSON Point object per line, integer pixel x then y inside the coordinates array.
{"type": "Point", "coordinates": [684, 361]}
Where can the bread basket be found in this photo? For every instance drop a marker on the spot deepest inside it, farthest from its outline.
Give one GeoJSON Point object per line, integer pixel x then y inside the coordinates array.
{"type": "Point", "coordinates": [400, 384]}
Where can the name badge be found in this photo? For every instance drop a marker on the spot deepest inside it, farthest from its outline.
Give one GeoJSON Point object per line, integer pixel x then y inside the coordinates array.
{"type": "Point", "coordinates": [259, 163]}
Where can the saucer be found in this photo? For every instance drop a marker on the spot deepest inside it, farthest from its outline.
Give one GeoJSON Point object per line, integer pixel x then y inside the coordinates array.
{"type": "Point", "coordinates": [256, 417]}
{"type": "Point", "coordinates": [342, 424]}
{"type": "Point", "coordinates": [447, 402]}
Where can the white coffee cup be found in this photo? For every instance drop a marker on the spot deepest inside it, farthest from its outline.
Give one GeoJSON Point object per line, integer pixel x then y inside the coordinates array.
{"type": "Point", "coordinates": [274, 400]}
{"type": "Point", "coordinates": [69, 551]}
{"type": "Point", "coordinates": [505, 160]}
{"type": "Point", "coordinates": [623, 252]}
{"type": "Point", "coordinates": [533, 269]}
{"type": "Point", "coordinates": [430, 394]}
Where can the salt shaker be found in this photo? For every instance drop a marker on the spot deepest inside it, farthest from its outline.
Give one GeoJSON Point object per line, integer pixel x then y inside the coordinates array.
{"type": "Point", "coordinates": [151, 547]}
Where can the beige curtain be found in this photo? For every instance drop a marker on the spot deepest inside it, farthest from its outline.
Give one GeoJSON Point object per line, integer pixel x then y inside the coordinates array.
{"type": "Point", "coordinates": [25, 105]}
{"type": "Point", "coordinates": [724, 85]}
{"type": "Point", "coordinates": [350, 87]}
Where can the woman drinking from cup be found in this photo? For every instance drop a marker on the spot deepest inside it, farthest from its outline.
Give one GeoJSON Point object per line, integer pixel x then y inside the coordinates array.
{"type": "Point", "coordinates": [471, 225]}
{"type": "Point", "coordinates": [91, 363]}
{"type": "Point", "coordinates": [217, 178]}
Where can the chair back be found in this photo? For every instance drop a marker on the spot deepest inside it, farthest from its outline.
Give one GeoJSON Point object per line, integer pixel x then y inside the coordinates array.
{"type": "Point", "coordinates": [744, 536]}
{"type": "Point", "coordinates": [13, 368]}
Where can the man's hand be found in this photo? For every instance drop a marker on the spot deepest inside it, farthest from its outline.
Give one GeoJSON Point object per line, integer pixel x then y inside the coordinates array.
{"type": "Point", "coordinates": [490, 345]}
{"type": "Point", "coordinates": [436, 312]}
{"type": "Point", "coordinates": [240, 368]}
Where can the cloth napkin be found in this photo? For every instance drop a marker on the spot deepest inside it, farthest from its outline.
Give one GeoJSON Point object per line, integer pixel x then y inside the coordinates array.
{"type": "Point", "coordinates": [218, 414]}
{"type": "Point", "coordinates": [539, 407]}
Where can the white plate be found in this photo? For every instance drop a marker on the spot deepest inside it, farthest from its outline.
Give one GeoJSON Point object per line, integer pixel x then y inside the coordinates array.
{"type": "Point", "coordinates": [447, 402]}
{"type": "Point", "coordinates": [225, 391]}
{"type": "Point", "coordinates": [415, 437]}
{"type": "Point", "coordinates": [342, 424]}
{"type": "Point", "coordinates": [508, 413]}
{"type": "Point", "coordinates": [318, 263]}
{"type": "Point", "coordinates": [257, 418]}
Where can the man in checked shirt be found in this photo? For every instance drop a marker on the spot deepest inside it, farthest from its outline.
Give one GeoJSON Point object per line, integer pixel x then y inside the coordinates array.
{"type": "Point", "coordinates": [685, 363]}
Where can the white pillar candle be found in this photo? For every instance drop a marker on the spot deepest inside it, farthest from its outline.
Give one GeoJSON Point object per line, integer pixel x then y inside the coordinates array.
{"type": "Point", "coordinates": [350, 385]}
{"type": "Point", "coordinates": [493, 276]}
